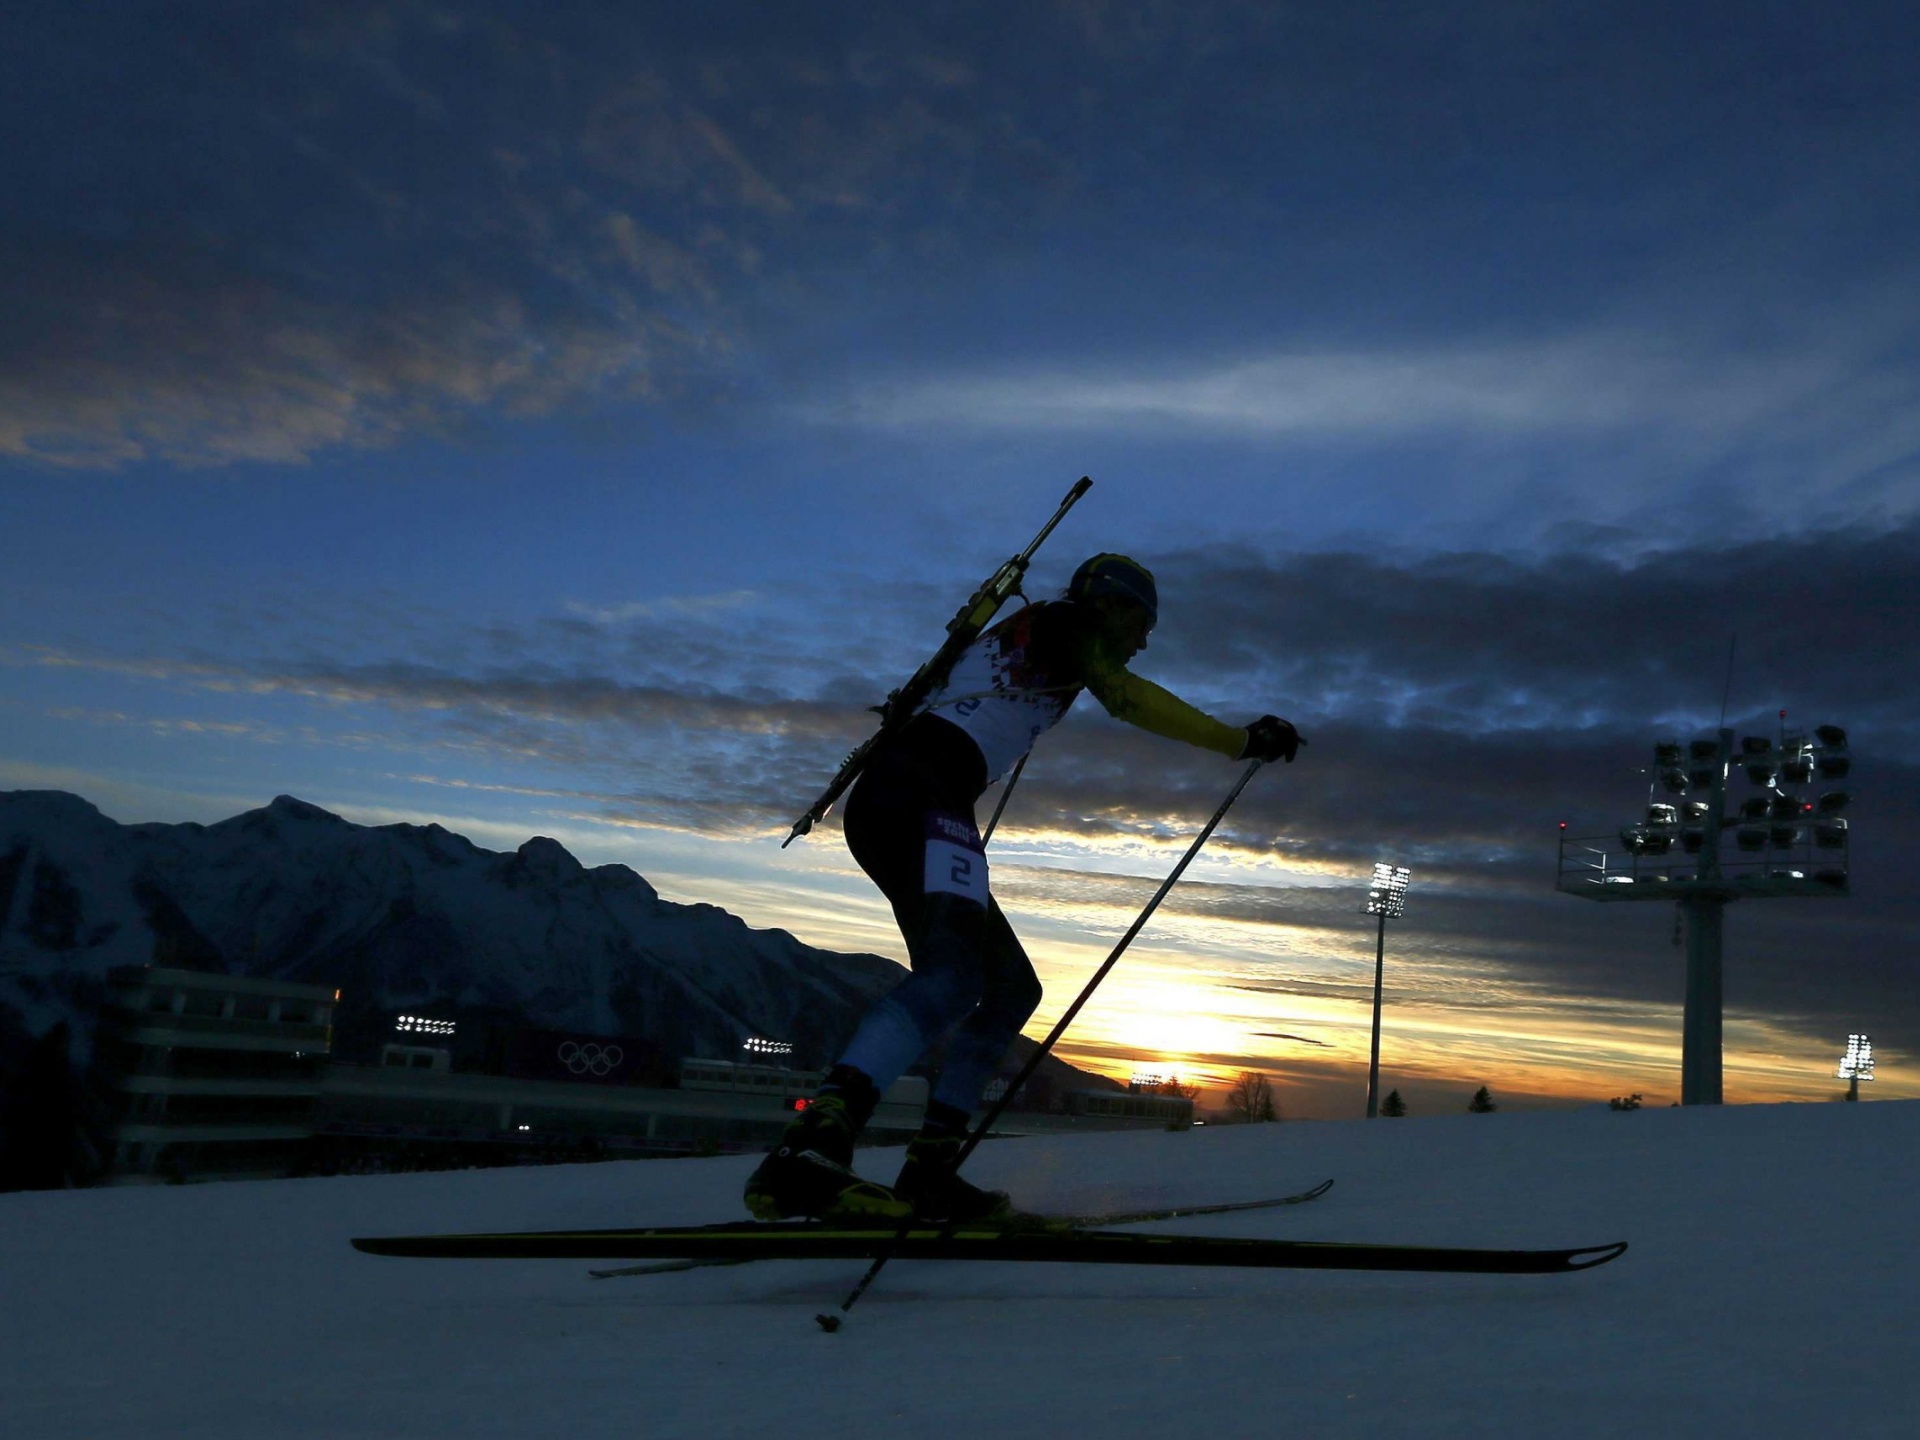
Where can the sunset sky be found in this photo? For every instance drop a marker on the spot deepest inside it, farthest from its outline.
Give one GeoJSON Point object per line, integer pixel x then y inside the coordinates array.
{"type": "Point", "coordinates": [564, 419]}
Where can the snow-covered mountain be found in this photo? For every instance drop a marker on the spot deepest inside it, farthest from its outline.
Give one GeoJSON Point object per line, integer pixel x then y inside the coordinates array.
{"type": "Point", "coordinates": [397, 917]}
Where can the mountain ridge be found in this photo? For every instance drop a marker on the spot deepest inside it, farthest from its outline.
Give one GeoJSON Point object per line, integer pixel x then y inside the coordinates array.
{"type": "Point", "coordinates": [398, 916]}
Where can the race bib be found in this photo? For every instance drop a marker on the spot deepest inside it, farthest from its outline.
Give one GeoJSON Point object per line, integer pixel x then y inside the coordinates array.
{"type": "Point", "coordinates": [956, 860]}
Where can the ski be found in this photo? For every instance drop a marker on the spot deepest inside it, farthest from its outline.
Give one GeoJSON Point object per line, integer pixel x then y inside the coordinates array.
{"type": "Point", "coordinates": [1182, 1212]}
{"type": "Point", "coordinates": [1089, 1221]}
{"type": "Point", "coordinates": [752, 1240]}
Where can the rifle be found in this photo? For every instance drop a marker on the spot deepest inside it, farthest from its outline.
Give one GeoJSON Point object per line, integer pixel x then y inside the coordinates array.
{"type": "Point", "coordinates": [903, 704]}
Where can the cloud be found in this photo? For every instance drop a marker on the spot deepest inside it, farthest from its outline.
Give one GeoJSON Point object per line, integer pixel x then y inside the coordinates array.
{"type": "Point", "coordinates": [1281, 1035]}
{"type": "Point", "coordinates": [669, 607]}
{"type": "Point", "coordinates": [1817, 422]}
{"type": "Point", "coordinates": [1458, 706]}
{"type": "Point", "coordinates": [360, 224]}
{"type": "Point", "coordinates": [1582, 384]}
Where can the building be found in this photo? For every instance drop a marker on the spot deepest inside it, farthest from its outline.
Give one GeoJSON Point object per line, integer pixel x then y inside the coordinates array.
{"type": "Point", "coordinates": [748, 1079]}
{"type": "Point", "coordinates": [402, 1113]}
{"type": "Point", "coordinates": [416, 1057]}
{"type": "Point", "coordinates": [1132, 1106]}
{"type": "Point", "coordinates": [225, 1077]}
{"type": "Point", "coordinates": [211, 1076]}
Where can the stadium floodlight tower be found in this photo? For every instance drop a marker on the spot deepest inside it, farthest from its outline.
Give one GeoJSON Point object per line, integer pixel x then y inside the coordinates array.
{"type": "Point", "coordinates": [1786, 846]}
{"type": "Point", "coordinates": [1386, 898]}
{"type": "Point", "coordinates": [1857, 1064]}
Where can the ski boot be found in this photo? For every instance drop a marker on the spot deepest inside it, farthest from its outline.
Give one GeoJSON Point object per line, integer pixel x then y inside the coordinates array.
{"type": "Point", "coordinates": [810, 1172]}
{"type": "Point", "coordinates": [929, 1183]}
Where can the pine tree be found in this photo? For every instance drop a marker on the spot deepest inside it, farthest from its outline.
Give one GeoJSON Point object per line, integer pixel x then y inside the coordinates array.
{"type": "Point", "coordinates": [1482, 1102]}
{"type": "Point", "coordinates": [1393, 1106]}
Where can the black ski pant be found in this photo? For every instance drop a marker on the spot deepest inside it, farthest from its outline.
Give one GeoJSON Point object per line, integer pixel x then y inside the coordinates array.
{"type": "Point", "coordinates": [969, 971]}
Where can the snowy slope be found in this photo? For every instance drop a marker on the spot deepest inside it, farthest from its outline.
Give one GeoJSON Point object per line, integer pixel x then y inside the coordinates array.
{"type": "Point", "coordinates": [1772, 1290]}
{"type": "Point", "coordinates": [399, 916]}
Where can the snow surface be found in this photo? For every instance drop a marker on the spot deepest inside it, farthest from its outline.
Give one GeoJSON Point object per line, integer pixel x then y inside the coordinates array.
{"type": "Point", "coordinates": [1772, 1290]}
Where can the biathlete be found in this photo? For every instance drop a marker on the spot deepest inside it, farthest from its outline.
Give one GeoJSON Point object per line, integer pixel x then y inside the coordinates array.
{"type": "Point", "coordinates": [910, 824]}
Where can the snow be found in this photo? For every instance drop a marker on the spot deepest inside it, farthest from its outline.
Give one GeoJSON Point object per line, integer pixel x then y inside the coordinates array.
{"type": "Point", "coordinates": [1772, 1290]}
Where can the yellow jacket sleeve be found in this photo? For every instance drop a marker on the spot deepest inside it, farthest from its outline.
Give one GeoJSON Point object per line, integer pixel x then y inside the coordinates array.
{"type": "Point", "coordinates": [1128, 697]}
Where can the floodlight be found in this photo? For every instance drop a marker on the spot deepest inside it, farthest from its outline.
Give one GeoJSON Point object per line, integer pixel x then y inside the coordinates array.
{"type": "Point", "coordinates": [1777, 828]}
{"type": "Point", "coordinates": [1388, 895]}
{"type": "Point", "coordinates": [758, 1046]}
{"type": "Point", "coordinates": [1388, 900]}
{"type": "Point", "coordinates": [1857, 1063]}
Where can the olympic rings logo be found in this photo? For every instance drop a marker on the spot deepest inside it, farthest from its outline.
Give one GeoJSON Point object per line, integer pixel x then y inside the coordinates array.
{"type": "Point", "coordinates": [591, 1058]}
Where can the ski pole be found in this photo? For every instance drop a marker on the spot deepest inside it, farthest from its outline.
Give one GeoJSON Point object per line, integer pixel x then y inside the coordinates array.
{"type": "Point", "coordinates": [830, 1322]}
{"type": "Point", "coordinates": [1005, 791]}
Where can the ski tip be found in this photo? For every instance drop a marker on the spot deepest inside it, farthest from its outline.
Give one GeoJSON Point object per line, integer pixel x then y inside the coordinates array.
{"type": "Point", "coordinates": [1595, 1255]}
{"type": "Point", "coordinates": [828, 1323]}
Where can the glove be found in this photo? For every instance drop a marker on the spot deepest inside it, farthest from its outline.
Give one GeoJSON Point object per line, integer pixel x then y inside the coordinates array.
{"type": "Point", "coordinates": [1271, 738]}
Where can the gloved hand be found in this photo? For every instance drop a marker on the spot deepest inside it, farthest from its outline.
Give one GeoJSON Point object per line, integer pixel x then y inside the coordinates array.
{"type": "Point", "coordinates": [1271, 738]}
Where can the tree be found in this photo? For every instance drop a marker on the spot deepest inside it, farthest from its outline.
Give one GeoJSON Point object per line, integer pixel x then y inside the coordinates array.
{"type": "Point", "coordinates": [1250, 1101]}
{"type": "Point", "coordinates": [1482, 1102]}
{"type": "Point", "coordinates": [1393, 1107]}
{"type": "Point", "coordinates": [1624, 1102]}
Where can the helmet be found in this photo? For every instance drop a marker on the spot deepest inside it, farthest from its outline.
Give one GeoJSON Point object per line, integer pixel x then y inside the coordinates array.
{"type": "Point", "coordinates": [1115, 575]}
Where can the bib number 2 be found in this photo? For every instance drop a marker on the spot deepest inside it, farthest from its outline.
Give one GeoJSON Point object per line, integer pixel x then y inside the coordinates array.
{"type": "Point", "coordinates": [956, 860]}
